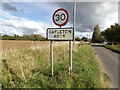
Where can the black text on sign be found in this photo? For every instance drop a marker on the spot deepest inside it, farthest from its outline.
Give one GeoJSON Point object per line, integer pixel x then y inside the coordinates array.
{"type": "Point", "coordinates": [60, 34]}
{"type": "Point", "coordinates": [60, 17]}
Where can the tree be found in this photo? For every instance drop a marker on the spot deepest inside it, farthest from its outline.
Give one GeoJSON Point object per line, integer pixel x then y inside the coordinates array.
{"type": "Point", "coordinates": [32, 37]}
{"type": "Point", "coordinates": [97, 38]}
{"type": "Point", "coordinates": [77, 39]}
{"type": "Point", "coordinates": [84, 39]}
{"type": "Point", "coordinates": [0, 37]}
{"type": "Point", "coordinates": [112, 34]}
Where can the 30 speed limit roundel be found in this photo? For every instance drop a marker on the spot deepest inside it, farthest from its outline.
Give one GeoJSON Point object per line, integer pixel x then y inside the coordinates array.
{"type": "Point", "coordinates": [60, 17]}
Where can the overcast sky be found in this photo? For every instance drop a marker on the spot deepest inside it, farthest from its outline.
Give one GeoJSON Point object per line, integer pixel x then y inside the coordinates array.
{"type": "Point", "coordinates": [35, 17]}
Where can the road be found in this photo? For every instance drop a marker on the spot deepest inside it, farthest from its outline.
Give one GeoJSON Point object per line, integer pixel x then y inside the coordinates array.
{"type": "Point", "coordinates": [109, 61]}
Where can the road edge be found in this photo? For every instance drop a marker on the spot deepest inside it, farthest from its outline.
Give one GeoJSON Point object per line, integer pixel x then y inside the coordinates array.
{"type": "Point", "coordinates": [103, 72]}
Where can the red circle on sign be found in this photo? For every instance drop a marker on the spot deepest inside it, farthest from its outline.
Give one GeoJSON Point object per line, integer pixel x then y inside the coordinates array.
{"type": "Point", "coordinates": [65, 20]}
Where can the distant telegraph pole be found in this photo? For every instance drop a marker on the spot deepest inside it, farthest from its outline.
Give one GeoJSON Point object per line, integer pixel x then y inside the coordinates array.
{"type": "Point", "coordinates": [74, 22]}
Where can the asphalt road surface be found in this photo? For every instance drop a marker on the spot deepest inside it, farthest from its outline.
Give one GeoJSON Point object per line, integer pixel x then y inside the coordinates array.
{"type": "Point", "coordinates": [109, 61]}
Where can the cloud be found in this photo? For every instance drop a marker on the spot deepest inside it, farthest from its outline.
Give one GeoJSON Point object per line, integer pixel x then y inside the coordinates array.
{"type": "Point", "coordinates": [47, 6]}
{"type": "Point", "coordinates": [7, 15]}
{"type": "Point", "coordinates": [11, 6]}
{"type": "Point", "coordinates": [88, 15]}
{"type": "Point", "coordinates": [11, 25]}
{"type": "Point", "coordinates": [91, 13]}
{"type": "Point", "coordinates": [26, 26]}
{"type": "Point", "coordinates": [1, 32]}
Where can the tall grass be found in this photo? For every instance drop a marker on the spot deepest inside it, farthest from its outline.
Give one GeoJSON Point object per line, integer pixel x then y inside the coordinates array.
{"type": "Point", "coordinates": [30, 68]}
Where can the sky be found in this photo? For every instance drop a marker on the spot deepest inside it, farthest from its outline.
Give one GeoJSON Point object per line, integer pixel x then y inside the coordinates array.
{"type": "Point", "coordinates": [35, 17]}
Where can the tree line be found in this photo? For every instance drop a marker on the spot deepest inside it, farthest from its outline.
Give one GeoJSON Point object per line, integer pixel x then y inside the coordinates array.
{"type": "Point", "coordinates": [111, 34]}
{"type": "Point", "coordinates": [31, 37]}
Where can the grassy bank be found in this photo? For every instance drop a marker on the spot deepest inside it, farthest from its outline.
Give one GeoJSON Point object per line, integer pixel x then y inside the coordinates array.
{"type": "Point", "coordinates": [28, 68]}
{"type": "Point", "coordinates": [115, 48]}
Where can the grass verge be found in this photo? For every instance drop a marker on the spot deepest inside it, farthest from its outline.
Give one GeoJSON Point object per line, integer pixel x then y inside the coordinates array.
{"type": "Point", "coordinates": [30, 68]}
{"type": "Point", "coordinates": [115, 48]}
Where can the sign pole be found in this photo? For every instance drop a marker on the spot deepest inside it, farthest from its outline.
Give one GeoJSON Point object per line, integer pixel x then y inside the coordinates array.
{"type": "Point", "coordinates": [74, 23]}
{"type": "Point", "coordinates": [51, 55]}
{"type": "Point", "coordinates": [70, 57]}
{"type": "Point", "coordinates": [60, 18]}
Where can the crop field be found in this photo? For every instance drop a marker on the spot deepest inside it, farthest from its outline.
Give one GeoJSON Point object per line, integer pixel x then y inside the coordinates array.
{"type": "Point", "coordinates": [27, 65]}
{"type": "Point", "coordinates": [14, 45]}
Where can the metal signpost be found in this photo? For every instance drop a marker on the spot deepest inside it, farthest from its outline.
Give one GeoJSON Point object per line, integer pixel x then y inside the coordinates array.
{"type": "Point", "coordinates": [51, 55]}
{"type": "Point", "coordinates": [60, 18]}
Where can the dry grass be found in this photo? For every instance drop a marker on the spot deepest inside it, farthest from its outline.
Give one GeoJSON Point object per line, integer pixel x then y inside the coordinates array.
{"type": "Point", "coordinates": [14, 45]}
{"type": "Point", "coordinates": [19, 63]}
{"type": "Point", "coordinates": [29, 66]}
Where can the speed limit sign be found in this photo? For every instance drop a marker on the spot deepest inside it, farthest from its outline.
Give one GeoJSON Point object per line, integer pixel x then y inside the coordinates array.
{"type": "Point", "coordinates": [60, 17]}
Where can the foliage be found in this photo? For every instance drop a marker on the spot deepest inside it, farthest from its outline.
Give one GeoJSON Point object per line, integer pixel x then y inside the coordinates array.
{"type": "Point", "coordinates": [112, 34]}
{"type": "Point", "coordinates": [84, 39]}
{"type": "Point", "coordinates": [77, 39]}
{"type": "Point", "coordinates": [31, 37]}
{"type": "Point", "coordinates": [0, 37]}
{"type": "Point", "coordinates": [97, 38]}
{"type": "Point", "coordinates": [29, 68]}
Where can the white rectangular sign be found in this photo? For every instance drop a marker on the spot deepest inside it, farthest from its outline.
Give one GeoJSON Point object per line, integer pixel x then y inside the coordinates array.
{"type": "Point", "coordinates": [60, 34]}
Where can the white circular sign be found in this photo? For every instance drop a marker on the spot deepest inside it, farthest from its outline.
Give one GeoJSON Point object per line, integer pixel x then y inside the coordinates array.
{"type": "Point", "coordinates": [60, 17]}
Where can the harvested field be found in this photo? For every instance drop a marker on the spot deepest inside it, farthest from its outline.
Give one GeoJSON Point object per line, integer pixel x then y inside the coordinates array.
{"type": "Point", "coordinates": [14, 45]}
